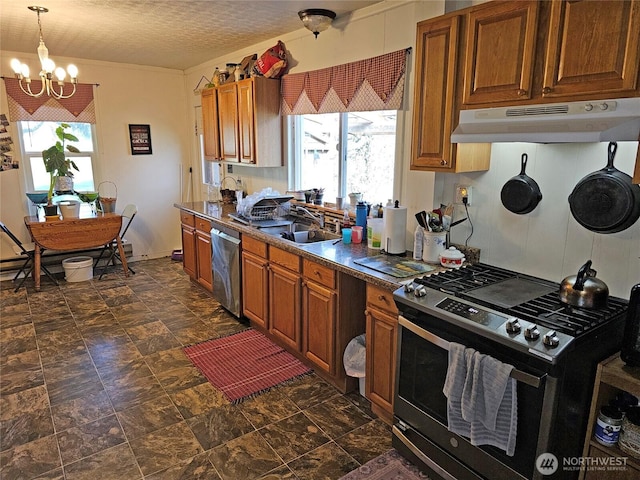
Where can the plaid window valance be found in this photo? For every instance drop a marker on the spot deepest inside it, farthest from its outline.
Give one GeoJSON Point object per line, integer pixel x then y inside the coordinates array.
{"type": "Point", "coordinates": [373, 84]}
{"type": "Point", "coordinates": [79, 108]}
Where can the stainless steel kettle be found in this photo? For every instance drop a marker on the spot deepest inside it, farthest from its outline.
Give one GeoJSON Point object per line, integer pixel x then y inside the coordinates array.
{"type": "Point", "coordinates": [584, 290]}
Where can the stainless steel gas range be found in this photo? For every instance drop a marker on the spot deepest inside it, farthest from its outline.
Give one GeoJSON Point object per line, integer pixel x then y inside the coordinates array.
{"type": "Point", "coordinates": [516, 319]}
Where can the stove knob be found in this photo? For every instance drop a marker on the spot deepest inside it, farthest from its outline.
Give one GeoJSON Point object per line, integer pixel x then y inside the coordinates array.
{"type": "Point", "coordinates": [550, 339]}
{"type": "Point", "coordinates": [532, 332]}
{"type": "Point", "coordinates": [409, 287]}
{"type": "Point", "coordinates": [513, 326]}
{"type": "Point", "coordinates": [420, 291]}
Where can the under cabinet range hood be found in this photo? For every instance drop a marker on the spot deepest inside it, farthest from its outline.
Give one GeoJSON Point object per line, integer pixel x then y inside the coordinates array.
{"type": "Point", "coordinates": [572, 122]}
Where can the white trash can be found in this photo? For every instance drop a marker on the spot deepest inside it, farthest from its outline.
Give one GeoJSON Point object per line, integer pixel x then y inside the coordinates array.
{"type": "Point", "coordinates": [78, 269]}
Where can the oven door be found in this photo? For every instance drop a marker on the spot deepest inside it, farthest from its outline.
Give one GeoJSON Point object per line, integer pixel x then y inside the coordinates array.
{"type": "Point", "coordinates": [421, 408]}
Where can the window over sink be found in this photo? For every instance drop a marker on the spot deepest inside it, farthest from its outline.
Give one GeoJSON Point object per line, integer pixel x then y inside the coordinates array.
{"type": "Point", "coordinates": [344, 153]}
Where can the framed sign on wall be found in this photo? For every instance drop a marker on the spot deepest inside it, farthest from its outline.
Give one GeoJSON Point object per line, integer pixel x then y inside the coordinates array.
{"type": "Point", "coordinates": [140, 137]}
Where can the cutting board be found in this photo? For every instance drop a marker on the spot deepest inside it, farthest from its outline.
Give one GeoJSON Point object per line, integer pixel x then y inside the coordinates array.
{"type": "Point", "coordinates": [399, 267]}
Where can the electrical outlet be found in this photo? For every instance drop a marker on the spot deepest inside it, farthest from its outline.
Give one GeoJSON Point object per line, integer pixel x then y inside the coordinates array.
{"type": "Point", "coordinates": [229, 168]}
{"type": "Point", "coordinates": [461, 192]}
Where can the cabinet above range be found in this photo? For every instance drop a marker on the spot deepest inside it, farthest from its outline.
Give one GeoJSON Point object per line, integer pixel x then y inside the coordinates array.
{"type": "Point", "coordinates": [242, 122]}
{"type": "Point", "coordinates": [516, 54]}
{"type": "Point", "coordinates": [530, 51]}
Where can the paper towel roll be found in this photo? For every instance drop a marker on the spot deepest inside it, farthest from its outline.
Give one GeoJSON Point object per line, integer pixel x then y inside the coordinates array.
{"type": "Point", "coordinates": [395, 230]}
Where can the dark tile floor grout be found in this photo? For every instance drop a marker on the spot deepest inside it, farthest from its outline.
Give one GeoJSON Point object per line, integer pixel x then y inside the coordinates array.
{"type": "Point", "coordinates": [94, 385]}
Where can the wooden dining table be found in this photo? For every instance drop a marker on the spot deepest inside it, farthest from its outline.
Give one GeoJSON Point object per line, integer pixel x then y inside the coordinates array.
{"type": "Point", "coordinates": [74, 234]}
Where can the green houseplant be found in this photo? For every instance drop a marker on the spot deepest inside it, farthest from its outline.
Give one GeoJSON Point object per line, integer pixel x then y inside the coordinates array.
{"type": "Point", "coordinates": [54, 159]}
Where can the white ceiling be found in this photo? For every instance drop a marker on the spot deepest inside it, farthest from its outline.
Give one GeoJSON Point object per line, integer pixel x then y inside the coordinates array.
{"type": "Point", "coordinates": [173, 34]}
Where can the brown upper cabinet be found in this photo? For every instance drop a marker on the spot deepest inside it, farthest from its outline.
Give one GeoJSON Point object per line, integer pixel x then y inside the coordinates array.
{"type": "Point", "coordinates": [592, 48]}
{"type": "Point", "coordinates": [501, 42]}
{"type": "Point", "coordinates": [211, 133]}
{"type": "Point", "coordinates": [507, 53]}
{"type": "Point", "coordinates": [562, 50]}
{"type": "Point", "coordinates": [435, 110]}
{"type": "Point", "coordinates": [243, 124]}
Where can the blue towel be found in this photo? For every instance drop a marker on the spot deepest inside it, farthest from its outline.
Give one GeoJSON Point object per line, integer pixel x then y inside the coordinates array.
{"type": "Point", "coordinates": [481, 399]}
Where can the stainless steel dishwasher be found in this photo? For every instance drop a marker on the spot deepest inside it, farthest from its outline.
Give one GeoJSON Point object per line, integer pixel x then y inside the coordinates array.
{"type": "Point", "coordinates": [225, 246]}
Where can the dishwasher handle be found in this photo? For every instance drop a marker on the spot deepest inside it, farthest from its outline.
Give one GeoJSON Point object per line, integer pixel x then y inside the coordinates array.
{"type": "Point", "coordinates": [224, 236]}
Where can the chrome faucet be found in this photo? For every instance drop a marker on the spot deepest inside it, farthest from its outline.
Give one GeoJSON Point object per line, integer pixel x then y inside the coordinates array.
{"type": "Point", "coordinates": [318, 219]}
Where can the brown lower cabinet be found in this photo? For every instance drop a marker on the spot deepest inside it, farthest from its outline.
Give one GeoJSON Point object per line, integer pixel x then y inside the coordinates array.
{"type": "Point", "coordinates": [308, 308]}
{"type": "Point", "coordinates": [381, 341]}
{"type": "Point", "coordinates": [196, 249]}
{"type": "Point", "coordinates": [255, 281]}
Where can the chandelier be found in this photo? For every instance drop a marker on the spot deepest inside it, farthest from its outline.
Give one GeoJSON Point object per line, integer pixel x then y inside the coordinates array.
{"type": "Point", "coordinates": [53, 87]}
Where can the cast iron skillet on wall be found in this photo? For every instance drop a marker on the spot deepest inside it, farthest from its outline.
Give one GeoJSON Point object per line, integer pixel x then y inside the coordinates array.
{"type": "Point", "coordinates": [521, 194]}
{"type": "Point", "coordinates": [606, 201]}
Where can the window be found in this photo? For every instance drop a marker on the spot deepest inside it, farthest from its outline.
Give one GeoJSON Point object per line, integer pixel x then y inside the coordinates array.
{"type": "Point", "coordinates": [346, 152]}
{"type": "Point", "coordinates": [38, 136]}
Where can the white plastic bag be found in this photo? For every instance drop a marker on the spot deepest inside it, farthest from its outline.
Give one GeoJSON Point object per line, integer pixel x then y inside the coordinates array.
{"type": "Point", "coordinates": [355, 357]}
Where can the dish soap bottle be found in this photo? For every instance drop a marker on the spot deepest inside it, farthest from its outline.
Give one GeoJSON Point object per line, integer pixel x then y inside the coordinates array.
{"type": "Point", "coordinates": [346, 220]}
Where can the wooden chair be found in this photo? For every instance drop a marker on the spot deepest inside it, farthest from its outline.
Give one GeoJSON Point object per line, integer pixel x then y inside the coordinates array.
{"type": "Point", "coordinates": [25, 250]}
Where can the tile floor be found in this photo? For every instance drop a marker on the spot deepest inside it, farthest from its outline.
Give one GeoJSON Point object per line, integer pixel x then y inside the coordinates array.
{"type": "Point", "coordinates": [94, 385]}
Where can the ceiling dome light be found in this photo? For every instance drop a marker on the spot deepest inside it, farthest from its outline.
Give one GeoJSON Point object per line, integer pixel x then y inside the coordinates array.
{"type": "Point", "coordinates": [316, 19]}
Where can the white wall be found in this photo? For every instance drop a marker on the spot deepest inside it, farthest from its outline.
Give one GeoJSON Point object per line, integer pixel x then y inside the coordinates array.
{"type": "Point", "coordinates": [127, 94]}
{"type": "Point", "coordinates": [548, 242]}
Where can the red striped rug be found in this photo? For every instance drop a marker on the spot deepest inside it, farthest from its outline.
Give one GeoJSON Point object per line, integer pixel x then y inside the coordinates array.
{"type": "Point", "coordinates": [244, 364]}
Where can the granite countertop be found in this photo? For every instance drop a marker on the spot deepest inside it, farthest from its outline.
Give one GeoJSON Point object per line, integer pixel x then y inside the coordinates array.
{"type": "Point", "coordinates": [338, 256]}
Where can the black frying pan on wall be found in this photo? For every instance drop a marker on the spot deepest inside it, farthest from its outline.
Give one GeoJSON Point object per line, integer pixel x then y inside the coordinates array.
{"type": "Point", "coordinates": [606, 201]}
{"type": "Point", "coordinates": [521, 194]}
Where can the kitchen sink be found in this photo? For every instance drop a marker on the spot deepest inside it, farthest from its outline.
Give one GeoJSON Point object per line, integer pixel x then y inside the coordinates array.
{"type": "Point", "coordinates": [300, 233]}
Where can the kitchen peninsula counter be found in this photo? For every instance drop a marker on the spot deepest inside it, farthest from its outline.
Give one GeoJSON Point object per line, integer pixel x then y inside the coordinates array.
{"type": "Point", "coordinates": [337, 256]}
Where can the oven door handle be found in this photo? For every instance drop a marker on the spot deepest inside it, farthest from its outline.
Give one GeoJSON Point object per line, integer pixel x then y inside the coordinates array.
{"type": "Point", "coordinates": [518, 375]}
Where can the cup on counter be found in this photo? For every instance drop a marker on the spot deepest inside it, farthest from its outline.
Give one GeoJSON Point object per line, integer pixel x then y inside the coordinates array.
{"type": "Point", "coordinates": [346, 235]}
{"type": "Point", "coordinates": [339, 203]}
{"type": "Point", "coordinates": [356, 234]}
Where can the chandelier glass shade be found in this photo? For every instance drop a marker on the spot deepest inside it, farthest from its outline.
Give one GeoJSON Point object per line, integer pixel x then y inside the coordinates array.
{"type": "Point", "coordinates": [53, 87]}
{"type": "Point", "coordinates": [316, 19]}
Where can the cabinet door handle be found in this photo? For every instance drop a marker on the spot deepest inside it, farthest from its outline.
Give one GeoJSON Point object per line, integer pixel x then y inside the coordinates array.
{"type": "Point", "coordinates": [521, 92]}
{"type": "Point", "coordinates": [546, 90]}
{"type": "Point", "coordinates": [381, 298]}
{"type": "Point", "coordinates": [316, 272]}
{"type": "Point", "coordinates": [443, 162]}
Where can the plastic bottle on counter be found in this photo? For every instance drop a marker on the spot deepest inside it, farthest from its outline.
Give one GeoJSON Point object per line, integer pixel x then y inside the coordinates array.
{"type": "Point", "coordinates": [361, 216]}
{"type": "Point", "coordinates": [346, 220]}
{"type": "Point", "coordinates": [418, 238]}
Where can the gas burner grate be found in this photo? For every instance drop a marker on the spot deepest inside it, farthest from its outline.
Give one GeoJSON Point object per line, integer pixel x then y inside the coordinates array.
{"type": "Point", "coordinates": [464, 279]}
{"type": "Point", "coordinates": [550, 312]}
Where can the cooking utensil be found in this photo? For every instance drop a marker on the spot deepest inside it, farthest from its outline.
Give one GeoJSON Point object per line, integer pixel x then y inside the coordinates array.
{"type": "Point", "coordinates": [584, 290]}
{"type": "Point", "coordinates": [457, 222]}
{"type": "Point", "coordinates": [521, 194]}
{"type": "Point", "coordinates": [420, 219]}
{"type": "Point", "coordinates": [606, 201]}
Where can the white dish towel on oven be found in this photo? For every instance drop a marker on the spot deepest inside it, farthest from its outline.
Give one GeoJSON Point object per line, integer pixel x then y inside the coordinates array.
{"type": "Point", "coordinates": [482, 400]}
